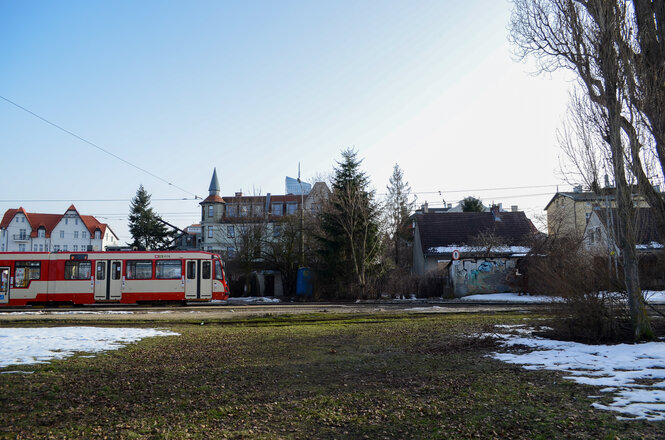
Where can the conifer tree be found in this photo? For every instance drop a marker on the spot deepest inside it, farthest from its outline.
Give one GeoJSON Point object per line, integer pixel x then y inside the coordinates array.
{"type": "Point", "coordinates": [350, 226]}
{"type": "Point", "coordinates": [147, 231]}
{"type": "Point", "coordinates": [398, 209]}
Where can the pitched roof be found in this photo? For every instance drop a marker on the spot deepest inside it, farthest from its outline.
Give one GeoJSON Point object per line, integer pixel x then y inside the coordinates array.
{"type": "Point", "coordinates": [461, 228]}
{"type": "Point", "coordinates": [38, 220]}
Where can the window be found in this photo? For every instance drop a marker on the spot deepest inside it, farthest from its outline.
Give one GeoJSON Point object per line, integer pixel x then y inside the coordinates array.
{"type": "Point", "coordinates": [211, 211]}
{"type": "Point", "coordinates": [210, 231]}
{"type": "Point", "coordinates": [76, 248]}
{"type": "Point", "coordinates": [22, 234]}
{"type": "Point", "coordinates": [277, 209]}
{"type": "Point", "coordinates": [231, 211]}
{"type": "Point", "coordinates": [77, 270]}
{"type": "Point", "coordinates": [191, 270]}
{"type": "Point", "coordinates": [244, 211]}
{"type": "Point", "coordinates": [66, 220]}
{"type": "Point", "coordinates": [168, 269]}
{"type": "Point", "coordinates": [64, 247]}
{"type": "Point", "coordinates": [76, 234]}
{"type": "Point", "coordinates": [46, 247]}
{"type": "Point", "coordinates": [62, 234]}
{"type": "Point", "coordinates": [205, 270]}
{"type": "Point", "coordinates": [56, 248]}
{"type": "Point", "coordinates": [101, 270]}
{"type": "Point", "coordinates": [41, 233]}
{"type": "Point", "coordinates": [219, 273]}
{"type": "Point", "coordinates": [76, 221]}
{"type": "Point", "coordinates": [230, 231]}
{"type": "Point", "coordinates": [24, 271]}
{"type": "Point", "coordinates": [84, 234]}
{"type": "Point", "coordinates": [98, 234]}
{"type": "Point", "coordinates": [139, 270]}
{"type": "Point", "coordinates": [21, 247]}
{"type": "Point", "coordinates": [291, 208]}
{"type": "Point", "coordinates": [34, 248]}
{"type": "Point", "coordinates": [116, 270]}
{"type": "Point", "coordinates": [41, 248]}
{"type": "Point", "coordinates": [276, 230]}
{"type": "Point", "coordinates": [258, 210]}
{"type": "Point", "coordinates": [231, 251]}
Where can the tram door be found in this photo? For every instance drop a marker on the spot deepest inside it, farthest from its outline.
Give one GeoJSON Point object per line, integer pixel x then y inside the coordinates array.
{"type": "Point", "coordinates": [206, 280]}
{"type": "Point", "coordinates": [192, 280]}
{"type": "Point", "coordinates": [108, 280]}
{"type": "Point", "coordinates": [4, 285]}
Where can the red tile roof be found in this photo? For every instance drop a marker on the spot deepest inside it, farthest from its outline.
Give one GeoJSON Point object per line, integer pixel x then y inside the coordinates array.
{"type": "Point", "coordinates": [50, 221]}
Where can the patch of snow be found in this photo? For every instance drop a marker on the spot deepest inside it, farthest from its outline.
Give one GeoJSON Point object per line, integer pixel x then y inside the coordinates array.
{"type": "Point", "coordinates": [617, 368]}
{"type": "Point", "coordinates": [25, 346]}
{"type": "Point", "coordinates": [253, 300]}
{"type": "Point", "coordinates": [654, 297]}
{"type": "Point", "coordinates": [652, 245]}
{"type": "Point", "coordinates": [521, 250]}
{"type": "Point", "coordinates": [510, 298]}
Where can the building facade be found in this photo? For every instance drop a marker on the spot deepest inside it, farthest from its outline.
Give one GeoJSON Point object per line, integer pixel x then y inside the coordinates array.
{"type": "Point", "coordinates": [569, 212]}
{"type": "Point", "coordinates": [22, 231]}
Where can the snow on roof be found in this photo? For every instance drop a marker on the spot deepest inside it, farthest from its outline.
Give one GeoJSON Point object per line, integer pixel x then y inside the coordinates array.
{"type": "Point", "coordinates": [464, 249]}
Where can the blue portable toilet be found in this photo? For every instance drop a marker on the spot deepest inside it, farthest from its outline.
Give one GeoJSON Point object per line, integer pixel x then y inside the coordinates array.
{"type": "Point", "coordinates": [304, 282]}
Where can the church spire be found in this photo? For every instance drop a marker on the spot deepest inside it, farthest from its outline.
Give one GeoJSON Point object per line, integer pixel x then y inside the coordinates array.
{"type": "Point", "coordinates": [214, 184]}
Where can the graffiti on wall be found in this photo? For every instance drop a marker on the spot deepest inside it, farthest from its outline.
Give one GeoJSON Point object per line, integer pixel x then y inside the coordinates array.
{"type": "Point", "coordinates": [482, 275]}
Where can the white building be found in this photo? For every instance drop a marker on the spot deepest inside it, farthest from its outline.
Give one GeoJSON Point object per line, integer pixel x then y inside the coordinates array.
{"type": "Point", "coordinates": [22, 231]}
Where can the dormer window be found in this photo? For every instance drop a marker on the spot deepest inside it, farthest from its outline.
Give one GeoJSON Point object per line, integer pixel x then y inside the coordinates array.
{"type": "Point", "coordinates": [98, 234]}
{"type": "Point", "coordinates": [41, 233]}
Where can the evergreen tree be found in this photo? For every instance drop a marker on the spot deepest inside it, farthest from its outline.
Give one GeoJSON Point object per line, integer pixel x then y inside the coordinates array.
{"type": "Point", "coordinates": [147, 231]}
{"type": "Point", "coordinates": [398, 209]}
{"type": "Point", "coordinates": [472, 204]}
{"type": "Point", "coordinates": [350, 242]}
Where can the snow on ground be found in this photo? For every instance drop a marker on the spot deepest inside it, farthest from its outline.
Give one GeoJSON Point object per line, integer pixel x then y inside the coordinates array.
{"type": "Point", "coordinates": [634, 374]}
{"type": "Point", "coordinates": [25, 346]}
{"type": "Point", "coordinates": [509, 298]}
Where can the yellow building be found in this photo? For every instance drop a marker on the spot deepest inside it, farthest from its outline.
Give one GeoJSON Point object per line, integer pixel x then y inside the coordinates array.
{"type": "Point", "coordinates": [568, 212]}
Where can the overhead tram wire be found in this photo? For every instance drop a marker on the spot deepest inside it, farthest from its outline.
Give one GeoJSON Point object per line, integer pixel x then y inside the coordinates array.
{"type": "Point", "coordinates": [98, 147]}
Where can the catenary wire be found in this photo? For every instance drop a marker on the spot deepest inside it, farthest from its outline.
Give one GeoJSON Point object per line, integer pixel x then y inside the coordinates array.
{"type": "Point", "coordinates": [97, 146]}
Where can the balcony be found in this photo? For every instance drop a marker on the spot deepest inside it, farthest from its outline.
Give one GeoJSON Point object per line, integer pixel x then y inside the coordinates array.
{"type": "Point", "coordinates": [21, 237]}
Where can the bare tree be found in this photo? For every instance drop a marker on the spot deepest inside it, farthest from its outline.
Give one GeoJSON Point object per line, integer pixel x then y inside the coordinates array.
{"type": "Point", "coordinates": [587, 37]}
{"type": "Point", "coordinates": [585, 153]}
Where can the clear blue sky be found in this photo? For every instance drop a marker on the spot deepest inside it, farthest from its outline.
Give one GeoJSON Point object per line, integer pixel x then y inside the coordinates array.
{"type": "Point", "coordinates": [254, 87]}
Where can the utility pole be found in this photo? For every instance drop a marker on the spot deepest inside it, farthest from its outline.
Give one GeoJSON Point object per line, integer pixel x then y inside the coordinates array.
{"type": "Point", "coordinates": [302, 221]}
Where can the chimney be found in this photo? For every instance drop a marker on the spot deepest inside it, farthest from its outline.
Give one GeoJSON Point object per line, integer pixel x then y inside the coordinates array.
{"type": "Point", "coordinates": [239, 194]}
{"type": "Point", "coordinates": [513, 208]}
{"type": "Point", "coordinates": [450, 205]}
{"type": "Point", "coordinates": [425, 208]}
{"type": "Point", "coordinates": [578, 189]}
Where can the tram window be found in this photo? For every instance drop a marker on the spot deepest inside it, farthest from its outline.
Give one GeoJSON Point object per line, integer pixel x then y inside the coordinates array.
{"type": "Point", "coordinates": [116, 270]}
{"type": "Point", "coordinates": [77, 270]}
{"type": "Point", "coordinates": [191, 270]}
{"type": "Point", "coordinates": [24, 271]}
{"type": "Point", "coordinates": [219, 273]}
{"type": "Point", "coordinates": [139, 269]}
{"type": "Point", "coordinates": [205, 270]}
{"type": "Point", "coordinates": [101, 270]}
{"type": "Point", "coordinates": [168, 269]}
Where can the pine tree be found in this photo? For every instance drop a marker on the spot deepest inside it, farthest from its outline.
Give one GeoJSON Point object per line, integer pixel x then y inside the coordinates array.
{"type": "Point", "coordinates": [472, 204]}
{"type": "Point", "coordinates": [148, 232]}
{"type": "Point", "coordinates": [398, 209]}
{"type": "Point", "coordinates": [350, 226]}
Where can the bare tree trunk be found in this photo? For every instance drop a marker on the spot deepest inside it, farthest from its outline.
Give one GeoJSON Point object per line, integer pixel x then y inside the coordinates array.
{"type": "Point", "coordinates": [605, 15]}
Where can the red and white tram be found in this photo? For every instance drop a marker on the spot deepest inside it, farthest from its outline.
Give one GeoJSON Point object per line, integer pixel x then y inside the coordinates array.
{"type": "Point", "coordinates": [110, 277]}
